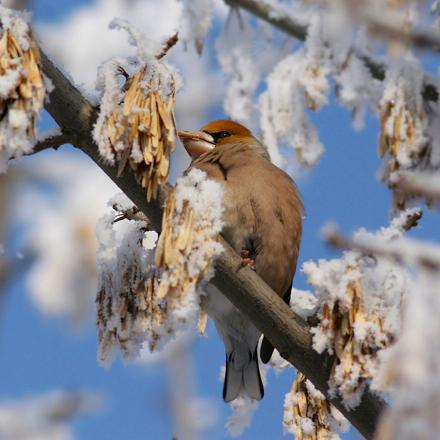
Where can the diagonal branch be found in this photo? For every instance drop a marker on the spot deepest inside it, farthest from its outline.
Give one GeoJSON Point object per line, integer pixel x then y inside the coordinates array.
{"type": "Point", "coordinates": [289, 333]}
{"type": "Point", "coordinates": [283, 20]}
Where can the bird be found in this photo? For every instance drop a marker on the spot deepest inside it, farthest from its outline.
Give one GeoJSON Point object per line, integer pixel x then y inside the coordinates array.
{"type": "Point", "coordinates": [262, 218]}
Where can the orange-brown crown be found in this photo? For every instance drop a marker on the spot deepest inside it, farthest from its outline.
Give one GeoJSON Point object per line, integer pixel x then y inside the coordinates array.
{"type": "Point", "coordinates": [234, 128]}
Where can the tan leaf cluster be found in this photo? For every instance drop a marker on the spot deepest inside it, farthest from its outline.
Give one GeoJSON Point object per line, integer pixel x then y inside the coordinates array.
{"type": "Point", "coordinates": [24, 64]}
{"type": "Point", "coordinates": [144, 122]}
{"type": "Point", "coordinates": [175, 244]}
{"type": "Point", "coordinates": [304, 404]}
{"type": "Point", "coordinates": [353, 356]}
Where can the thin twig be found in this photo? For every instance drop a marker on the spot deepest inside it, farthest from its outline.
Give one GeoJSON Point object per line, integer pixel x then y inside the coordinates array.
{"type": "Point", "coordinates": [48, 142]}
{"type": "Point", "coordinates": [402, 251]}
{"type": "Point", "coordinates": [427, 187]}
{"type": "Point", "coordinates": [172, 41]}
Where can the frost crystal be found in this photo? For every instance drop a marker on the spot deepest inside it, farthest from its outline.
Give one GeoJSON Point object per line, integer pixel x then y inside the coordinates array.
{"type": "Point", "coordinates": [359, 308]}
{"type": "Point", "coordinates": [22, 88]}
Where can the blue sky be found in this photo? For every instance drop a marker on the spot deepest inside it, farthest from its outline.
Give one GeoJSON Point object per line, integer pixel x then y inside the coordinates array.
{"type": "Point", "coordinates": [38, 355]}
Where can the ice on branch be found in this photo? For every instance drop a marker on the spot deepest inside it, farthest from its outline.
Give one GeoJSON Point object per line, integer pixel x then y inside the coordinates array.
{"type": "Point", "coordinates": [136, 124]}
{"type": "Point", "coordinates": [196, 19]}
{"type": "Point", "coordinates": [297, 82]}
{"type": "Point", "coordinates": [44, 417]}
{"type": "Point", "coordinates": [22, 88]}
{"type": "Point", "coordinates": [308, 415]}
{"type": "Point", "coordinates": [359, 311]}
{"type": "Point", "coordinates": [140, 302]}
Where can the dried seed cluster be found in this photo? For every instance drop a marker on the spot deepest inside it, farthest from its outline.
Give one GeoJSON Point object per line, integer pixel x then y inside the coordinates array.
{"type": "Point", "coordinates": [139, 301]}
{"type": "Point", "coordinates": [341, 319]}
{"type": "Point", "coordinates": [22, 89]}
{"type": "Point", "coordinates": [140, 128]}
{"type": "Point", "coordinates": [185, 253]}
{"type": "Point", "coordinates": [307, 413]}
{"type": "Point", "coordinates": [403, 141]}
{"type": "Point", "coordinates": [125, 311]}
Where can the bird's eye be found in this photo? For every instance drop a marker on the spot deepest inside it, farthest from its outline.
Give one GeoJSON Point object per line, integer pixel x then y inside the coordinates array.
{"type": "Point", "coordinates": [219, 134]}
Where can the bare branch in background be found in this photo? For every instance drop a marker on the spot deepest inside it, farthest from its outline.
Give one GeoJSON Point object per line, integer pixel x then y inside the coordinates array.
{"type": "Point", "coordinates": [421, 185]}
{"type": "Point", "coordinates": [282, 20]}
{"type": "Point", "coordinates": [288, 332]}
{"type": "Point", "coordinates": [403, 251]}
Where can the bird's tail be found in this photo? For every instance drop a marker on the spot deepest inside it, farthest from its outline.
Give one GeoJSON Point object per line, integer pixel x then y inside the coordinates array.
{"type": "Point", "coordinates": [242, 379]}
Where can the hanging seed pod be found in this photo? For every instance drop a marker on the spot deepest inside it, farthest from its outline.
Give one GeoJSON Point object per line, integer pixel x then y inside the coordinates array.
{"type": "Point", "coordinates": [340, 318]}
{"type": "Point", "coordinates": [184, 234]}
{"type": "Point", "coordinates": [141, 130]}
{"type": "Point", "coordinates": [22, 85]}
{"type": "Point", "coordinates": [307, 413]}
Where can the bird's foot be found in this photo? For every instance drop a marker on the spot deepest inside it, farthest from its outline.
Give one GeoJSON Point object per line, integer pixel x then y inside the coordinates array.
{"type": "Point", "coordinates": [246, 259]}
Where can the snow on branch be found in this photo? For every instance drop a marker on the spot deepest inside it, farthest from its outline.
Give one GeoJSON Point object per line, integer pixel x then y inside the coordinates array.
{"type": "Point", "coordinates": [409, 130]}
{"type": "Point", "coordinates": [136, 123]}
{"type": "Point", "coordinates": [424, 185]}
{"type": "Point", "coordinates": [297, 82]}
{"type": "Point", "coordinates": [359, 309]}
{"type": "Point", "coordinates": [147, 297]}
{"type": "Point", "coordinates": [22, 87]}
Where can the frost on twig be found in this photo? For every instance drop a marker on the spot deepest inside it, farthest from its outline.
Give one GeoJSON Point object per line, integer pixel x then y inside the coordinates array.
{"type": "Point", "coordinates": [308, 415]}
{"type": "Point", "coordinates": [297, 82]}
{"type": "Point", "coordinates": [125, 263]}
{"type": "Point", "coordinates": [136, 124]}
{"type": "Point", "coordinates": [22, 88]}
{"type": "Point", "coordinates": [408, 140]}
{"type": "Point", "coordinates": [145, 297]}
{"type": "Point", "coordinates": [196, 19]}
{"type": "Point", "coordinates": [359, 311]}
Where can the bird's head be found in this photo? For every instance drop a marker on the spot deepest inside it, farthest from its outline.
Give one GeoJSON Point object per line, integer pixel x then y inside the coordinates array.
{"type": "Point", "coordinates": [220, 132]}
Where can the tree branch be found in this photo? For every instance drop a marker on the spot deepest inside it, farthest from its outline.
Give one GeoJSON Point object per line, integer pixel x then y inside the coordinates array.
{"type": "Point", "coordinates": [243, 287]}
{"type": "Point", "coordinates": [285, 22]}
{"type": "Point", "coordinates": [52, 141]}
{"type": "Point", "coordinates": [408, 252]}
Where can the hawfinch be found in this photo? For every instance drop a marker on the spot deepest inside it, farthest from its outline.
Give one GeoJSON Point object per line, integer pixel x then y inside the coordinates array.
{"type": "Point", "coordinates": [262, 216]}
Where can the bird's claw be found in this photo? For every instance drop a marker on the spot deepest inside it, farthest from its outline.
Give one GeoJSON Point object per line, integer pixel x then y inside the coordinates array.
{"type": "Point", "coordinates": [246, 259]}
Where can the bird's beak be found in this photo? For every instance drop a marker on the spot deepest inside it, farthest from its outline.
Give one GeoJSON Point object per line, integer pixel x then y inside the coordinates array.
{"type": "Point", "coordinates": [196, 142]}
